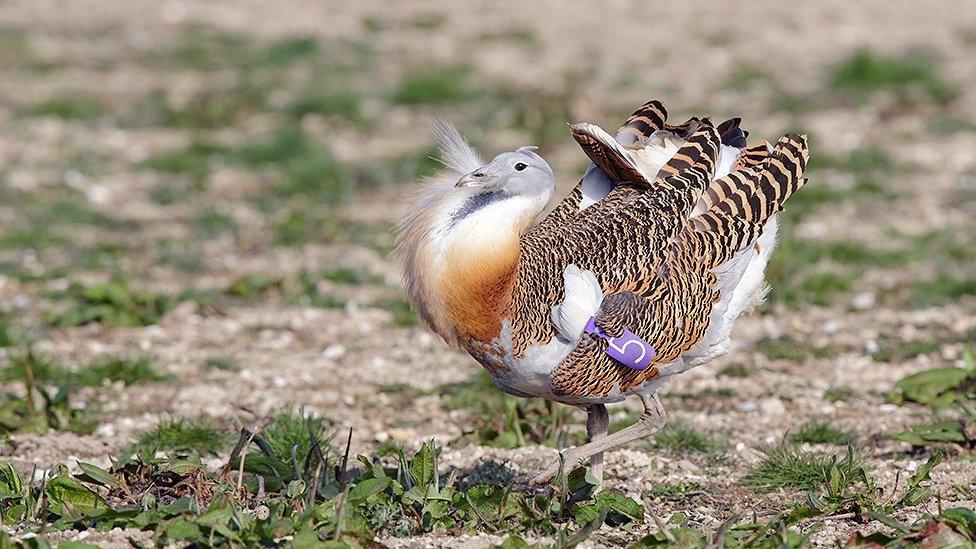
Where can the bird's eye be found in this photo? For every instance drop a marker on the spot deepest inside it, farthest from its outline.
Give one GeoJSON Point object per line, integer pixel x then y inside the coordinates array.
{"type": "Point", "coordinates": [520, 166]}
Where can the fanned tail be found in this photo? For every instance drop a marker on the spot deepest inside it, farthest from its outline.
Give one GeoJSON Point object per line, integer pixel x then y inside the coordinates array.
{"type": "Point", "coordinates": [747, 198]}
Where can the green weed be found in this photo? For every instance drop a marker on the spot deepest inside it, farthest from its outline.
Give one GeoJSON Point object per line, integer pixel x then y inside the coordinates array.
{"type": "Point", "coordinates": [786, 347]}
{"type": "Point", "coordinates": [432, 86]}
{"type": "Point", "coordinates": [320, 100]}
{"type": "Point", "coordinates": [680, 438]}
{"type": "Point", "coordinates": [821, 431]}
{"type": "Point", "coordinates": [674, 491]}
{"type": "Point", "coordinates": [504, 421]}
{"type": "Point", "coordinates": [910, 77]}
{"type": "Point", "coordinates": [737, 370]}
{"type": "Point", "coordinates": [901, 350]}
{"type": "Point", "coordinates": [182, 435]}
{"type": "Point", "coordinates": [111, 304]}
{"type": "Point", "coordinates": [77, 106]}
{"type": "Point", "coordinates": [403, 315]}
{"type": "Point", "coordinates": [350, 276]}
{"type": "Point", "coordinates": [787, 466]}
{"type": "Point", "coordinates": [39, 407]}
{"type": "Point", "coordinates": [223, 363]}
{"type": "Point", "coordinates": [118, 369]}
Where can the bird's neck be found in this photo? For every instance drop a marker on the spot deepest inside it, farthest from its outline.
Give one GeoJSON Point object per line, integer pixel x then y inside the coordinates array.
{"type": "Point", "coordinates": [480, 264]}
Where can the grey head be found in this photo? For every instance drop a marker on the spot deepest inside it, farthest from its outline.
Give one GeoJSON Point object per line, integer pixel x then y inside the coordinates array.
{"type": "Point", "coordinates": [521, 173]}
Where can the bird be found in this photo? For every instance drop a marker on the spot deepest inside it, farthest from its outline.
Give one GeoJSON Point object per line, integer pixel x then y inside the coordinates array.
{"type": "Point", "coordinates": [637, 275]}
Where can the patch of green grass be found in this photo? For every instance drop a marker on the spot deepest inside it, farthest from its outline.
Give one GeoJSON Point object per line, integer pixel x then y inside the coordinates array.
{"type": "Point", "coordinates": [787, 348]}
{"type": "Point", "coordinates": [7, 338]}
{"type": "Point", "coordinates": [787, 466]}
{"type": "Point", "coordinates": [356, 277]}
{"type": "Point", "coordinates": [211, 223]}
{"type": "Point", "coordinates": [203, 47]}
{"type": "Point", "coordinates": [309, 293]}
{"type": "Point", "coordinates": [291, 433]}
{"type": "Point", "coordinates": [77, 106]}
{"type": "Point", "coordinates": [182, 254]}
{"type": "Point", "coordinates": [290, 50]}
{"type": "Point", "coordinates": [74, 212]}
{"type": "Point", "coordinates": [307, 169]}
{"type": "Point", "coordinates": [944, 288]}
{"type": "Point", "coordinates": [427, 21]}
{"type": "Point", "coordinates": [111, 304]}
{"type": "Point", "coordinates": [524, 36]}
{"type": "Point", "coordinates": [181, 435]}
{"type": "Point", "coordinates": [255, 286]}
{"type": "Point", "coordinates": [540, 113]}
{"type": "Point", "coordinates": [394, 171]}
{"type": "Point", "coordinates": [748, 76]}
{"type": "Point", "coordinates": [674, 491]}
{"type": "Point", "coordinates": [403, 315]}
{"type": "Point", "coordinates": [316, 503]}
{"type": "Point", "coordinates": [194, 161]}
{"type": "Point", "coordinates": [901, 350]}
{"type": "Point", "coordinates": [210, 108]}
{"type": "Point", "coordinates": [910, 76]}
{"type": "Point", "coordinates": [114, 368]}
{"type": "Point", "coordinates": [223, 363]}
{"type": "Point", "coordinates": [37, 407]}
{"type": "Point", "coordinates": [817, 288]}
{"type": "Point", "coordinates": [821, 431]}
{"type": "Point", "coordinates": [344, 103]}
{"type": "Point", "coordinates": [835, 394]}
{"type": "Point", "coordinates": [503, 421]}
{"type": "Point", "coordinates": [736, 370]}
{"type": "Point", "coordinates": [29, 238]}
{"type": "Point", "coordinates": [433, 86]}
{"type": "Point", "coordinates": [38, 368]}
{"type": "Point", "coordinates": [169, 192]}
{"type": "Point", "coordinates": [681, 438]}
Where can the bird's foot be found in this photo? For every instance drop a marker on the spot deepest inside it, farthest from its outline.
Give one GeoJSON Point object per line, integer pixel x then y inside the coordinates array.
{"type": "Point", "coordinates": [546, 476]}
{"type": "Point", "coordinates": [649, 423]}
{"type": "Point", "coordinates": [567, 461]}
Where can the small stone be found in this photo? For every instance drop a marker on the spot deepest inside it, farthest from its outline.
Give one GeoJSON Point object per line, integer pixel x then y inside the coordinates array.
{"type": "Point", "coordinates": [864, 301]}
{"type": "Point", "coordinates": [748, 406]}
{"type": "Point", "coordinates": [334, 351]}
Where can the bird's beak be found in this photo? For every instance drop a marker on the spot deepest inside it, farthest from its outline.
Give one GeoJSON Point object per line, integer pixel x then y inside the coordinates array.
{"type": "Point", "coordinates": [477, 178]}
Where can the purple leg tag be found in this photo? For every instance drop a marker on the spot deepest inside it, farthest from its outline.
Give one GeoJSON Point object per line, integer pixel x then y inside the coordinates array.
{"type": "Point", "coordinates": [628, 349]}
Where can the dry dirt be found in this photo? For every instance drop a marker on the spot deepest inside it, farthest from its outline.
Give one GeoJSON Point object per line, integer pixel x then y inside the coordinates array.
{"type": "Point", "coordinates": [606, 59]}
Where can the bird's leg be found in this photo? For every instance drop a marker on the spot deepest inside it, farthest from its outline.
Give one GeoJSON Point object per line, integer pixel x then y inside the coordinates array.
{"type": "Point", "coordinates": [597, 427]}
{"type": "Point", "coordinates": [650, 422]}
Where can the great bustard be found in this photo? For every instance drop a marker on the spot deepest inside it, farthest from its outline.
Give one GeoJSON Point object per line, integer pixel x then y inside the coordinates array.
{"type": "Point", "coordinates": [637, 275]}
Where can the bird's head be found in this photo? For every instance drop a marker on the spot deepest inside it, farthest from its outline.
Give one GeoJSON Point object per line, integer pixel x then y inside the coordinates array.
{"type": "Point", "coordinates": [520, 173]}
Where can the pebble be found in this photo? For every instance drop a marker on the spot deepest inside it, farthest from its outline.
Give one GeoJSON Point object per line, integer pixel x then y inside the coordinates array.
{"type": "Point", "coordinates": [864, 301]}
{"type": "Point", "coordinates": [747, 406]}
{"type": "Point", "coordinates": [334, 351]}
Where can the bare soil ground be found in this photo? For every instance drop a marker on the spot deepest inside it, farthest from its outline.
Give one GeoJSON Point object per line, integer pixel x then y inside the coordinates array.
{"type": "Point", "coordinates": [182, 146]}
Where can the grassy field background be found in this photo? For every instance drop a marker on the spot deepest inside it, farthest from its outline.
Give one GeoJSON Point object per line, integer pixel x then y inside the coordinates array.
{"type": "Point", "coordinates": [195, 224]}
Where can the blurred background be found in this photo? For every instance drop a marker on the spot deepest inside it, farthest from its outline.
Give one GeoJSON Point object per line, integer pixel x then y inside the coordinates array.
{"type": "Point", "coordinates": [197, 201]}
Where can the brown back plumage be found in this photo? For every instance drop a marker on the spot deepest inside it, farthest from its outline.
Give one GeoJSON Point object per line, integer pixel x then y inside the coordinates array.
{"type": "Point", "coordinates": [655, 245]}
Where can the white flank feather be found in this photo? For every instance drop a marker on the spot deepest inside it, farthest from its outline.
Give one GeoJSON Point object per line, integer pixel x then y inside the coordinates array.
{"type": "Point", "coordinates": [583, 298]}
